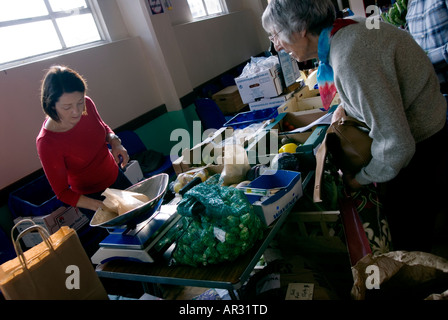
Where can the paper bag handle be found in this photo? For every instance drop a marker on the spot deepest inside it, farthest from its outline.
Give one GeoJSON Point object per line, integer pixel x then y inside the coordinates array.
{"type": "Point", "coordinates": [18, 248]}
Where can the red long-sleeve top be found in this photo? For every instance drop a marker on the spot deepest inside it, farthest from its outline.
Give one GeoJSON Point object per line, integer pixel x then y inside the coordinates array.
{"type": "Point", "coordinates": [78, 161]}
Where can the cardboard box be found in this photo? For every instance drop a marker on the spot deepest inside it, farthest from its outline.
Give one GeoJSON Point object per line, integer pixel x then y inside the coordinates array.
{"type": "Point", "coordinates": [263, 149]}
{"type": "Point", "coordinates": [229, 100]}
{"type": "Point", "coordinates": [293, 105]}
{"type": "Point", "coordinates": [265, 84]}
{"type": "Point", "coordinates": [207, 151]}
{"type": "Point", "coordinates": [288, 106]}
{"type": "Point", "coordinates": [133, 172]}
{"type": "Point", "coordinates": [271, 102]}
{"type": "Point", "coordinates": [179, 165]}
{"type": "Point", "coordinates": [63, 216]}
{"type": "Point", "coordinates": [290, 68]}
{"type": "Point", "coordinates": [311, 79]}
{"type": "Point", "coordinates": [302, 104]}
{"type": "Point", "coordinates": [267, 144]}
{"type": "Point", "coordinates": [271, 208]}
{"type": "Point", "coordinates": [306, 92]}
{"type": "Point", "coordinates": [33, 238]}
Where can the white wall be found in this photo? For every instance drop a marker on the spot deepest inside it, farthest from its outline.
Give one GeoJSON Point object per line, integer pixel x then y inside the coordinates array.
{"type": "Point", "coordinates": [149, 63]}
{"type": "Point", "coordinates": [208, 51]}
{"type": "Point", "coordinates": [120, 87]}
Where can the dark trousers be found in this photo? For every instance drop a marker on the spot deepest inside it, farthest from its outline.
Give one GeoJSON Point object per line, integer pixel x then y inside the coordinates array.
{"type": "Point", "coordinates": [417, 195]}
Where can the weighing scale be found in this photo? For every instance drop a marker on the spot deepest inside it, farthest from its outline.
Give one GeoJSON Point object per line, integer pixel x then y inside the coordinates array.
{"type": "Point", "coordinates": [135, 235]}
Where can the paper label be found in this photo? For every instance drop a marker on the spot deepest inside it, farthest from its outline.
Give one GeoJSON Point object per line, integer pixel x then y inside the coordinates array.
{"type": "Point", "coordinates": [300, 291]}
{"type": "Point", "coordinates": [219, 234]}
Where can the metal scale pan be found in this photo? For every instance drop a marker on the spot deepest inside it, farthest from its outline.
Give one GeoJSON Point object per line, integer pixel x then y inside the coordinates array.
{"type": "Point", "coordinates": [154, 188]}
{"type": "Point", "coordinates": [132, 234]}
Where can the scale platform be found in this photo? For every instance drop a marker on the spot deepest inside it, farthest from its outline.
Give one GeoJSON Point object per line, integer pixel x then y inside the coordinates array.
{"type": "Point", "coordinates": [138, 244]}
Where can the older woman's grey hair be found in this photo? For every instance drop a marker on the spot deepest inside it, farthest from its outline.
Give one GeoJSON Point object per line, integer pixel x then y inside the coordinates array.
{"type": "Point", "coordinates": [285, 17]}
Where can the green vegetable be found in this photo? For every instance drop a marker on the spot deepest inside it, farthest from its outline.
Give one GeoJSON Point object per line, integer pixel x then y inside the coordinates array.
{"type": "Point", "coordinates": [396, 14]}
{"type": "Point", "coordinates": [225, 228]}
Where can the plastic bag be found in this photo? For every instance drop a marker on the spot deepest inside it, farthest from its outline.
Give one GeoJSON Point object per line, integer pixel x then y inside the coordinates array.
{"type": "Point", "coordinates": [122, 201]}
{"type": "Point", "coordinates": [258, 64]}
{"type": "Point", "coordinates": [221, 225]}
{"type": "Point", "coordinates": [400, 275]}
{"type": "Point", "coordinates": [236, 165]}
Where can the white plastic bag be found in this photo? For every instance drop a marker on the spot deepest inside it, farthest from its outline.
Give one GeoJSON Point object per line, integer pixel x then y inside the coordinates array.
{"type": "Point", "coordinates": [122, 201]}
{"type": "Point", "coordinates": [236, 165]}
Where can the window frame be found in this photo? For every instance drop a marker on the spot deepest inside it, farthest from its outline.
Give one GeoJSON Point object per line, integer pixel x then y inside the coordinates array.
{"type": "Point", "coordinates": [207, 15]}
{"type": "Point", "coordinates": [92, 8]}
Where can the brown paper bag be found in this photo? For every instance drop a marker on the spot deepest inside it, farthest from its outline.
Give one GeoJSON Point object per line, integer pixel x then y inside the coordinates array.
{"type": "Point", "coordinates": [56, 269]}
{"type": "Point", "coordinates": [400, 275]}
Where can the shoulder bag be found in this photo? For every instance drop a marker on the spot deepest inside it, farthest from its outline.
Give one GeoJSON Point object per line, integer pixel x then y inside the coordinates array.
{"type": "Point", "coordinates": [348, 142]}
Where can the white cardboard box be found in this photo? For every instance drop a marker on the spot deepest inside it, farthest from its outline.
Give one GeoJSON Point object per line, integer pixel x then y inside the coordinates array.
{"type": "Point", "coordinates": [270, 102]}
{"type": "Point", "coordinates": [271, 208]}
{"type": "Point", "coordinates": [134, 172]}
{"type": "Point", "coordinates": [290, 68]}
{"type": "Point", "coordinates": [63, 216]}
{"type": "Point", "coordinates": [33, 238]}
{"type": "Point", "coordinates": [265, 84]}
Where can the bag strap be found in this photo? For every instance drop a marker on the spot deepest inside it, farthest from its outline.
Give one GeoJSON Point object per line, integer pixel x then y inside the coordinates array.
{"type": "Point", "coordinates": [321, 154]}
{"type": "Point", "coordinates": [16, 242]}
{"type": "Point", "coordinates": [352, 122]}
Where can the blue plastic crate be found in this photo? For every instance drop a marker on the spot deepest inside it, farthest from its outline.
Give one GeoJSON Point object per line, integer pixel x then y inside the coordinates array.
{"type": "Point", "coordinates": [33, 199]}
{"type": "Point", "coordinates": [244, 119]}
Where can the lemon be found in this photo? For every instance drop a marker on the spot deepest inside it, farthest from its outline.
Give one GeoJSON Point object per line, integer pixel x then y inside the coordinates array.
{"type": "Point", "coordinates": [289, 148]}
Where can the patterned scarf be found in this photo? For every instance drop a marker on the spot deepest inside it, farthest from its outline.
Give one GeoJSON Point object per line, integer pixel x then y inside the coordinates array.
{"type": "Point", "coordinates": [325, 75]}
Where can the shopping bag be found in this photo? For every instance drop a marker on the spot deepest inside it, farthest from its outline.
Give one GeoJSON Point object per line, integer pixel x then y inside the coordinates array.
{"type": "Point", "coordinates": [348, 144]}
{"type": "Point", "coordinates": [56, 269]}
{"type": "Point", "coordinates": [400, 275]}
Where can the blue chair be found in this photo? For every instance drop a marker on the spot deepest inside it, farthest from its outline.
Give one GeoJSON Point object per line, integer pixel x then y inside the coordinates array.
{"type": "Point", "coordinates": [209, 90]}
{"type": "Point", "coordinates": [209, 113]}
{"type": "Point", "coordinates": [132, 142]}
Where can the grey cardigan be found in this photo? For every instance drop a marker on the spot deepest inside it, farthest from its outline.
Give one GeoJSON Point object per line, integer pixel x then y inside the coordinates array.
{"type": "Point", "coordinates": [385, 79]}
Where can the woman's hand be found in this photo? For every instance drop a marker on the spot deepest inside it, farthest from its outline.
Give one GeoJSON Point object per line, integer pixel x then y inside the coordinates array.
{"type": "Point", "coordinates": [89, 203]}
{"type": "Point", "coordinates": [338, 114]}
{"type": "Point", "coordinates": [120, 154]}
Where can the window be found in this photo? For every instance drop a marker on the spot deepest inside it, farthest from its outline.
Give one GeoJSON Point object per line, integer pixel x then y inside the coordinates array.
{"type": "Point", "coordinates": [33, 27]}
{"type": "Point", "coordinates": [206, 8]}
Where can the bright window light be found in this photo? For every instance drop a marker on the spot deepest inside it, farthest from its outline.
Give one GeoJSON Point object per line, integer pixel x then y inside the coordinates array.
{"type": "Point", "coordinates": [205, 8]}
{"type": "Point", "coordinates": [29, 28]}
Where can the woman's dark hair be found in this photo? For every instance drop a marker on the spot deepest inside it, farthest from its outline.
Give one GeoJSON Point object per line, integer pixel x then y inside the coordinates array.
{"type": "Point", "coordinates": [57, 81]}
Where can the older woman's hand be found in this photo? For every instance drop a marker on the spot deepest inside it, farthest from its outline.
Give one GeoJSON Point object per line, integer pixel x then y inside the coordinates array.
{"type": "Point", "coordinates": [350, 182]}
{"type": "Point", "coordinates": [338, 114]}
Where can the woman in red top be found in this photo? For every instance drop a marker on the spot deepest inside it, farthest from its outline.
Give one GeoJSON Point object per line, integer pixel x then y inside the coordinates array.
{"type": "Point", "coordinates": [72, 143]}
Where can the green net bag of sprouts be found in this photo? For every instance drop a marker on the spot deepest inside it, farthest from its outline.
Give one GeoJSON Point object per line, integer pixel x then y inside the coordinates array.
{"type": "Point", "coordinates": [220, 225]}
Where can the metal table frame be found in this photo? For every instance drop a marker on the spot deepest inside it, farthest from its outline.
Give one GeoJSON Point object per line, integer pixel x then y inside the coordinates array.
{"type": "Point", "coordinates": [126, 270]}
